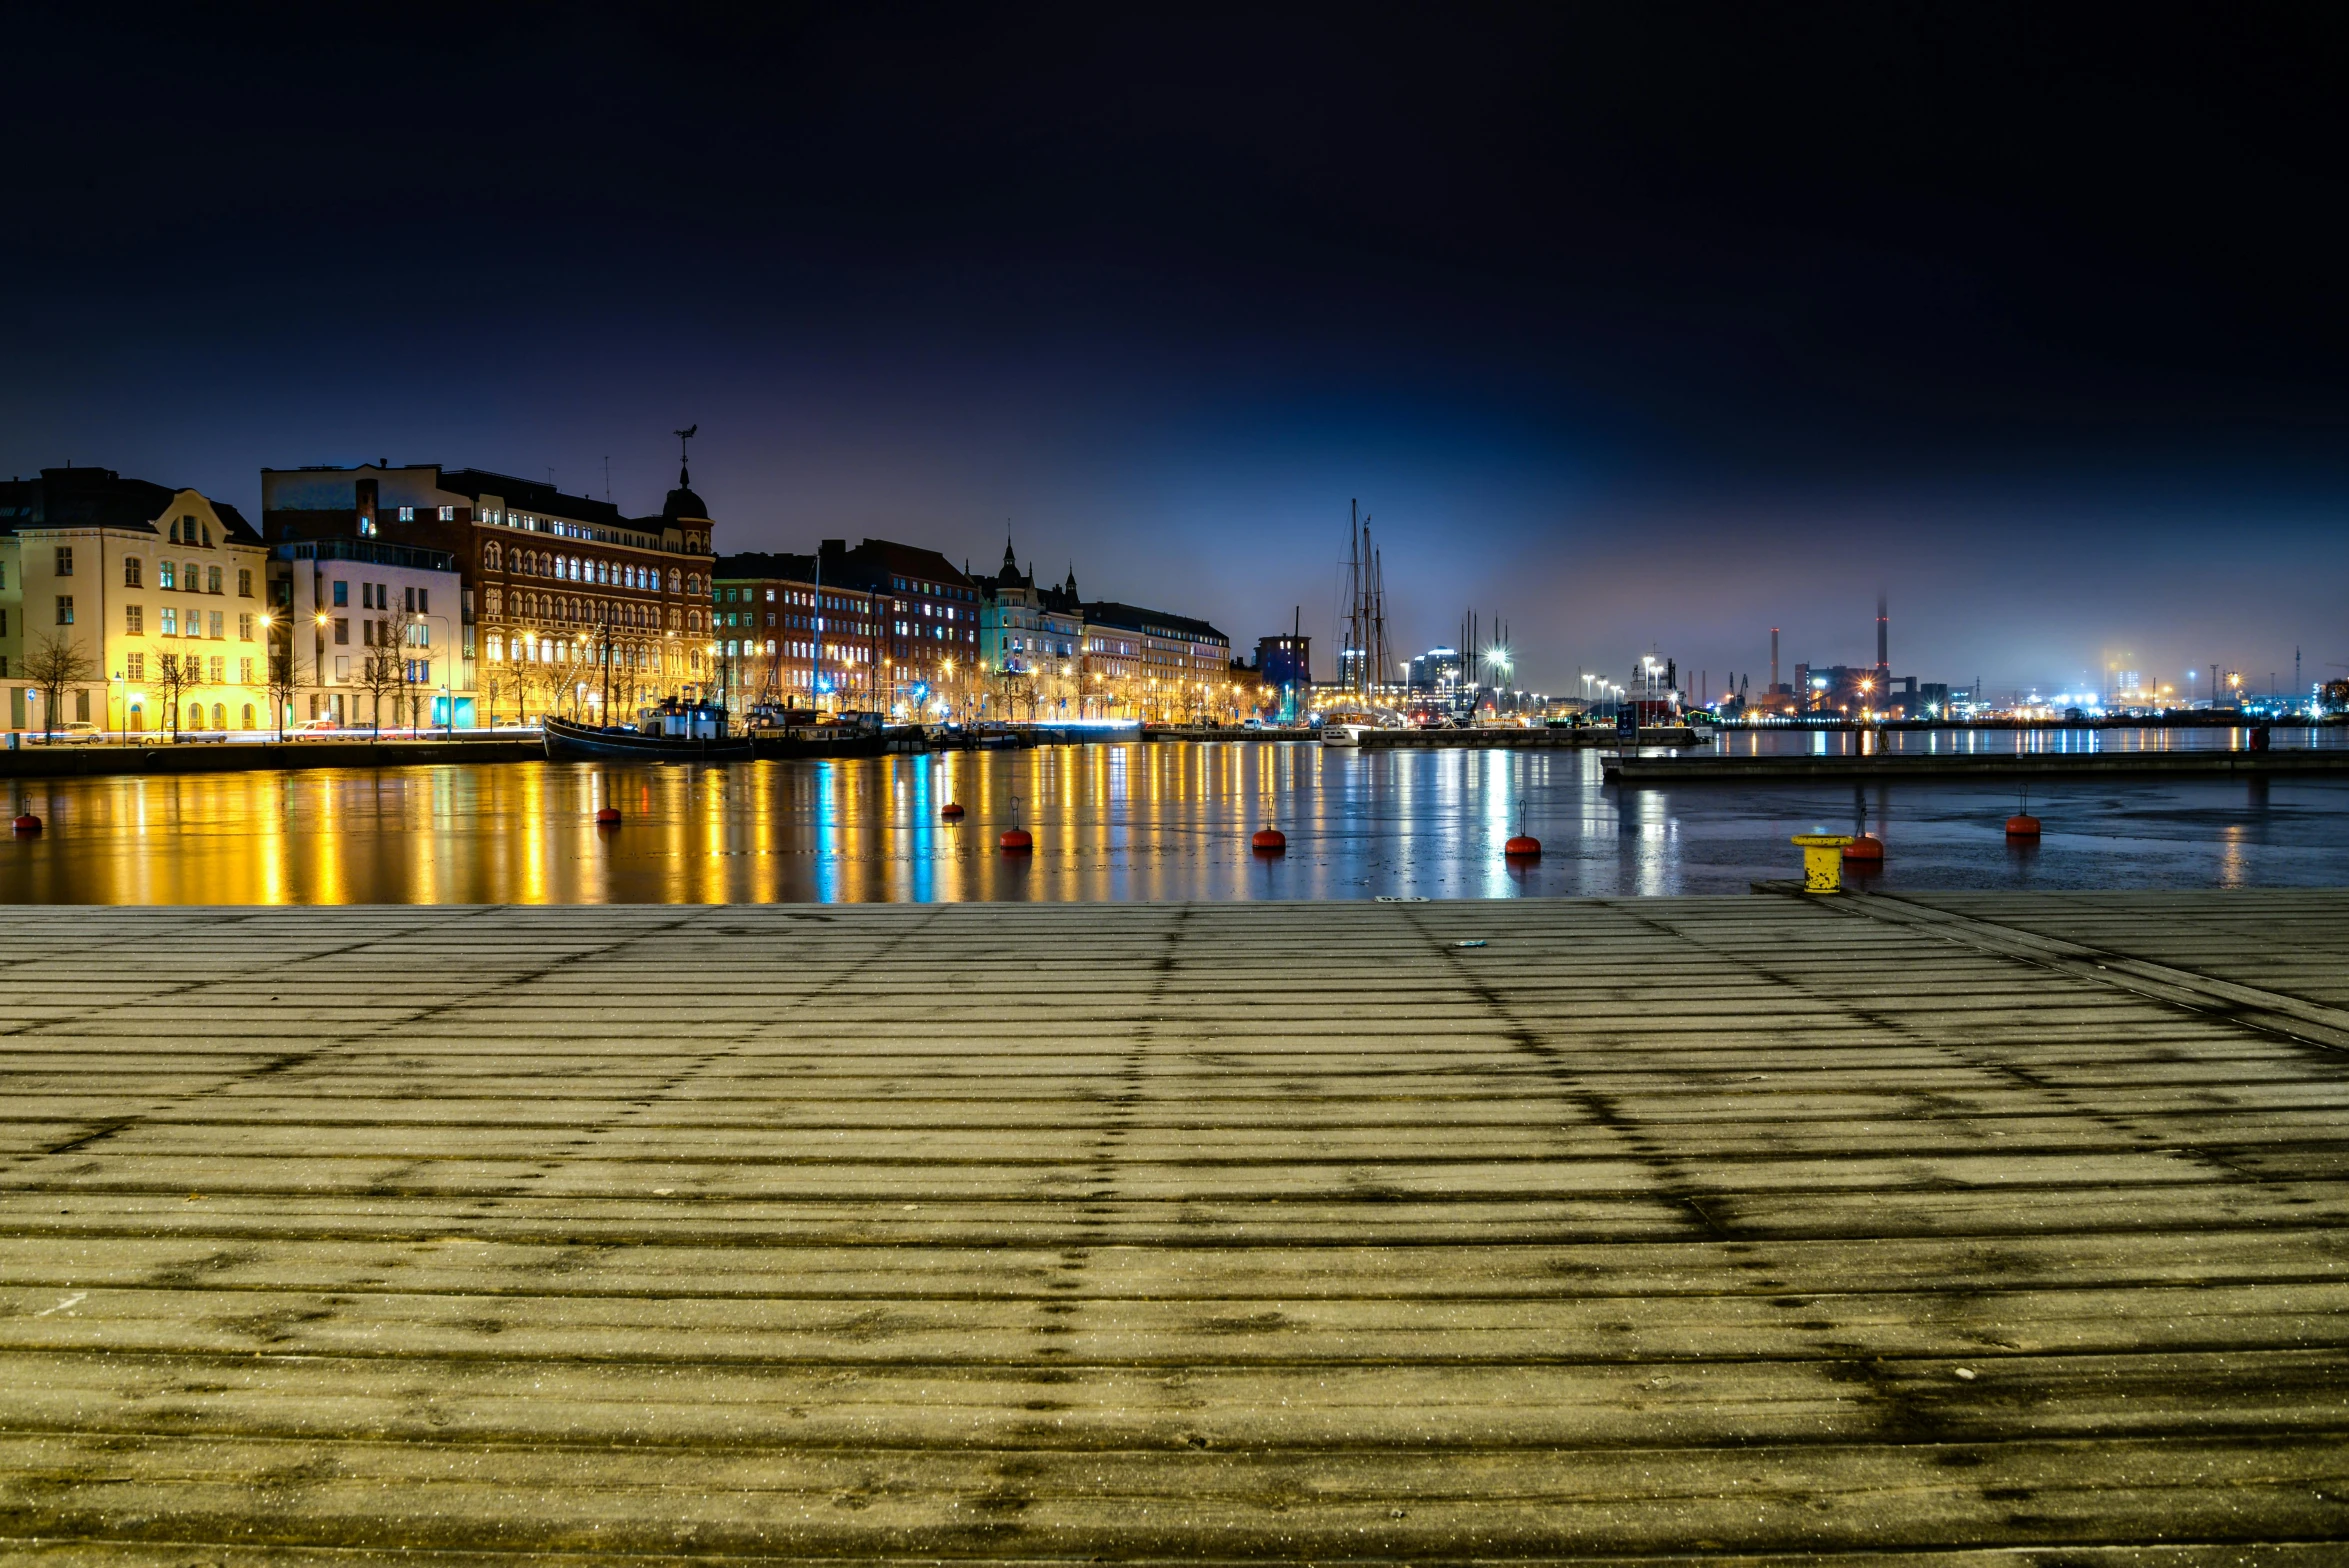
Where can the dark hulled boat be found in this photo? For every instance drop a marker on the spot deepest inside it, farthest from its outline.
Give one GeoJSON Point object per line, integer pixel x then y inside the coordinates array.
{"type": "Point", "coordinates": [692, 734]}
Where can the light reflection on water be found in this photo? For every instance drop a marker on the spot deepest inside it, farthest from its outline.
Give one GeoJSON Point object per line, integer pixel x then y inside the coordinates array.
{"type": "Point", "coordinates": [1150, 822]}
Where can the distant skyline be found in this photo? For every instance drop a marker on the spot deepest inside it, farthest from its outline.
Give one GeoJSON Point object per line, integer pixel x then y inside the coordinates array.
{"type": "Point", "coordinates": [1634, 330]}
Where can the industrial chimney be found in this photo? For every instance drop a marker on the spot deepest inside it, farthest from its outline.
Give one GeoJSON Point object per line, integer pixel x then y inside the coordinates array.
{"type": "Point", "coordinates": [1883, 644]}
{"type": "Point", "coordinates": [1773, 661]}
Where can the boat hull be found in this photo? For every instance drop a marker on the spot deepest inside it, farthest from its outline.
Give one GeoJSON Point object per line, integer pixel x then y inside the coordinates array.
{"type": "Point", "coordinates": [568, 742]}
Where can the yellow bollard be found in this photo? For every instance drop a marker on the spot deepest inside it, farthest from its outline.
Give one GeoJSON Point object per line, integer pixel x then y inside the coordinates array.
{"type": "Point", "coordinates": [1822, 861]}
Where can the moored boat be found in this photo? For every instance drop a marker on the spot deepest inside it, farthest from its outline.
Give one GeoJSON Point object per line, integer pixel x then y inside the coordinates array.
{"type": "Point", "coordinates": [678, 732]}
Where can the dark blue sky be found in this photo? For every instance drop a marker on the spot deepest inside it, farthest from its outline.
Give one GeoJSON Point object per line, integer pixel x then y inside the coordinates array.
{"type": "Point", "coordinates": [1658, 328]}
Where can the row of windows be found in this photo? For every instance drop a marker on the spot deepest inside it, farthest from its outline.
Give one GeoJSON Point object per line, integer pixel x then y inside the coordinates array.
{"type": "Point", "coordinates": [377, 596]}
{"type": "Point", "coordinates": [170, 622]}
{"type": "Point", "coordinates": [566, 530]}
{"type": "Point", "coordinates": [577, 569]}
{"type": "Point", "coordinates": [448, 514]}
{"type": "Point", "coordinates": [558, 607]}
{"type": "Point", "coordinates": [192, 577]}
{"type": "Point", "coordinates": [834, 652]}
{"type": "Point", "coordinates": [547, 650]}
{"type": "Point", "coordinates": [934, 590]}
{"type": "Point", "coordinates": [198, 671]}
{"type": "Point", "coordinates": [934, 633]}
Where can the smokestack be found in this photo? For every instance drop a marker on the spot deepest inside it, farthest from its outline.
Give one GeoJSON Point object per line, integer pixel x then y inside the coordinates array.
{"type": "Point", "coordinates": [1883, 628]}
{"type": "Point", "coordinates": [1773, 661]}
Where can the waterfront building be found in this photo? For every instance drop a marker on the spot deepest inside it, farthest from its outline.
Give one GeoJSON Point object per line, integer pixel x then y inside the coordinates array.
{"type": "Point", "coordinates": [929, 623]}
{"type": "Point", "coordinates": [1283, 673]}
{"type": "Point", "coordinates": [566, 605]}
{"type": "Point", "coordinates": [1030, 645]}
{"type": "Point", "coordinates": [151, 595]}
{"type": "Point", "coordinates": [1156, 666]}
{"type": "Point", "coordinates": [783, 636]}
{"type": "Point", "coordinates": [366, 632]}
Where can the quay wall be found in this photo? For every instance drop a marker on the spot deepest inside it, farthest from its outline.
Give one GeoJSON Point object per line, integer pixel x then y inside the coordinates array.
{"type": "Point", "coordinates": [65, 762]}
{"type": "Point", "coordinates": [1723, 770]}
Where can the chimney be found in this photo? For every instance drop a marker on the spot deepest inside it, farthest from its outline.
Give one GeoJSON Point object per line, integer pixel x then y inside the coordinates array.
{"type": "Point", "coordinates": [1773, 661]}
{"type": "Point", "coordinates": [1883, 659]}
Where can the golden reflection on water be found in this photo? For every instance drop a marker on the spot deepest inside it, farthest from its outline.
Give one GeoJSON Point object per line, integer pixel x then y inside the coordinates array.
{"type": "Point", "coordinates": [1119, 821]}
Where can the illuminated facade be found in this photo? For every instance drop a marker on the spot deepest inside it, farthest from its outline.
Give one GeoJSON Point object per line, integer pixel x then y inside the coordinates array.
{"type": "Point", "coordinates": [154, 593]}
{"type": "Point", "coordinates": [566, 605]}
{"type": "Point", "coordinates": [1157, 667]}
{"type": "Point", "coordinates": [1030, 642]}
{"type": "Point", "coordinates": [366, 632]}
{"type": "Point", "coordinates": [785, 637]}
{"type": "Point", "coordinates": [928, 615]}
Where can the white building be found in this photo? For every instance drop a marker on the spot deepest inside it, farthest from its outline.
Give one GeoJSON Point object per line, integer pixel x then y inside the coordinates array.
{"type": "Point", "coordinates": [374, 631]}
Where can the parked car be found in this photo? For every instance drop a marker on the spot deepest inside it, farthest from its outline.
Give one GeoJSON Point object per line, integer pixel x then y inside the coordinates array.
{"type": "Point", "coordinates": [313, 727]}
{"type": "Point", "coordinates": [75, 732]}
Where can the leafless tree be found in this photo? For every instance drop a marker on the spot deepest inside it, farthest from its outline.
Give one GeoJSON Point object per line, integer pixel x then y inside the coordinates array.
{"type": "Point", "coordinates": [54, 664]}
{"type": "Point", "coordinates": [382, 673]}
{"type": "Point", "coordinates": [285, 679]}
{"type": "Point", "coordinates": [176, 675]}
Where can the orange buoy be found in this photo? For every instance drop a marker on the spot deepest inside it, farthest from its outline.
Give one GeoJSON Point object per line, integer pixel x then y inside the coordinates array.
{"type": "Point", "coordinates": [1270, 840]}
{"type": "Point", "coordinates": [28, 823]}
{"type": "Point", "coordinates": [1017, 840]}
{"type": "Point", "coordinates": [609, 817]}
{"type": "Point", "coordinates": [2022, 827]}
{"type": "Point", "coordinates": [952, 808]}
{"type": "Point", "coordinates": [1868, 849]}
{"type": "Point", "coordinates": [1523, 848]}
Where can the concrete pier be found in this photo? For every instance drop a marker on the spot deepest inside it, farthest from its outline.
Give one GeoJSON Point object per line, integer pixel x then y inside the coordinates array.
{"type": "Point", "coordinates": [1894, 766]}
{"type": "Point", "coordinates": [1745, 1229]}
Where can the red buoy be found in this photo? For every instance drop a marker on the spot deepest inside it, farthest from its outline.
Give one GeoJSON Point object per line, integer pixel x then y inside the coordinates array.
{"type": "Point", "coordinates": [1868, 849]}
{"type": "Point", "coordinates": [28, 823]}
{"type": "Point", "coordinates": [1523, 848]}
{"type": "Point", "coordinates": [609, 817]}
{"type": "Point", "coordinates": [1017, 840]}
{"type": "Point", "coordinates": [1270, 840]}
{"type": "Point", "coordinates": [2022, 827]}
{"type": "Point", "coordinates": [952, 808]}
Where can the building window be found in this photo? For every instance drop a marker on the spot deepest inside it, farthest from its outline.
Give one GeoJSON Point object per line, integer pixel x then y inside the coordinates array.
{"type": "Point", "coordinates": [134, 666]}
{"type": "Point", "coordinates": [64, 563]}
{"type": "Point", "coordinates": [489, 556]}
{"type": "Point", "coordinates": [134, 620]}
{"type": "Point", "coordinates": [212, 579]}
{"type": "Point", "coordinates": [130, 572]}
{"type": "Point", "coordinates": [245, 676]}
{"type": "Point", "coordinates": [244, 582]}
{"type": "Point", "coordinates": [65, 609]}
{"type": "Point", "coordinates": [219, 669]}
{"type": "Point", "coordinates": [407, 514]}
{"type": "Point", "coordinates": [245, 628]}
{"type": "Point", "coordinates": [170, 621]}
{"type": "Point", "coordinates": [448, 514]}
{"type": "Point", "coordinates": [496, 647]}
{"type": "Point", "coordinates": [342, 624]}
{"type": "Point", "coordinates": [342, 594]}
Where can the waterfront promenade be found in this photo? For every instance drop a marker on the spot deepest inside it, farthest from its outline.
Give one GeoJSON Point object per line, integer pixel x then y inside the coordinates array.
{"type": "Point", "coordinates": [1735, 1227]}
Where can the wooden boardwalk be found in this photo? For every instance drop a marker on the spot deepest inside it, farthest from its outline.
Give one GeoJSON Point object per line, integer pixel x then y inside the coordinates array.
{"type": "Point", "coordinates": [2008, 1227]}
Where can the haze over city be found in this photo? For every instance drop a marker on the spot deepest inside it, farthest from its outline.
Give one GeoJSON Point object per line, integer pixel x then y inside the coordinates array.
{"type": "Point", "coordinates": [1631, 333]}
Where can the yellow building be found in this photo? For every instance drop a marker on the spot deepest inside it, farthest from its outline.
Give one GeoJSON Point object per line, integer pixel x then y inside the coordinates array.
{"type": "Point", "coordinates": [141, 605]}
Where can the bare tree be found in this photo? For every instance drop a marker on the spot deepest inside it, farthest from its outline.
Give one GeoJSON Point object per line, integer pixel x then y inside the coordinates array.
{"type": "Point", "coordinates": [382, 673]}
{"type": "Point", "coordinates": [285, 680]}
{"type": "Point", "coordinates": [176, 675]}
{"type": "Point", "coordinates": [53, 665]}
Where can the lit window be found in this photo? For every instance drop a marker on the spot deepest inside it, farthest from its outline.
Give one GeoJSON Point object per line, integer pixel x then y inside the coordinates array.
{"type": "Point", "coordinates": [448, 514]}
{"type": "Point", "coordinates": [407, 514]}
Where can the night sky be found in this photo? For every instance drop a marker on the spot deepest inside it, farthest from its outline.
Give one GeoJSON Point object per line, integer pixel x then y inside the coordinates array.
{"type": "Point", "coordinates": [1636, 325]}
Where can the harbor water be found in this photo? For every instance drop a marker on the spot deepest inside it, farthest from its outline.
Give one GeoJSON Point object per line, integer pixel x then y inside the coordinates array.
{"type": "Point", "coordinates": [1163, 821]}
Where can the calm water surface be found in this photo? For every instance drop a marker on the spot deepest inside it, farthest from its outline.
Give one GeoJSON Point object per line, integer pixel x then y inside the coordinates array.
{"type": "Point", "coordinates": [1164, 821]}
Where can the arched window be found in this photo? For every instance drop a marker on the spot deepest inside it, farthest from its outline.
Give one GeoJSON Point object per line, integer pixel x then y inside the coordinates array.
{"type": "Point", "coordinates": [496, 648]}
{"type": "Point", "coordinates": [489, 555]}
{"type": "Point", "coordinates": [248, 717]}
{"type": "Point", "coordinates": [672, 617]}
{"type": "Point", "coordinates": [195, 715]}
{"type": "Point", "coordinates": [693, 584]}
{"type": "Point", "coordinates": [220, 715]}
{"type": "Point", "coordinates": [693, 620]}
{"type": "Point", "coordinates": [672, 579]}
